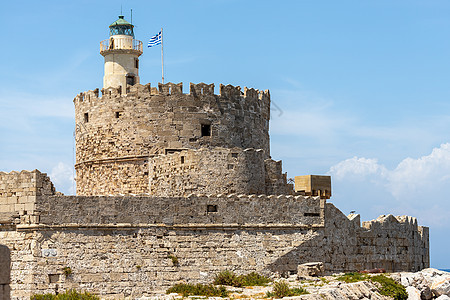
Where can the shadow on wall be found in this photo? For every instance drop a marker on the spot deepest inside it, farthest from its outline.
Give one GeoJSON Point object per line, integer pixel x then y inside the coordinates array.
{"type": "Point", "coordinates": [5, 270]}
{"type": "Point", "coordinates": [343, 245]}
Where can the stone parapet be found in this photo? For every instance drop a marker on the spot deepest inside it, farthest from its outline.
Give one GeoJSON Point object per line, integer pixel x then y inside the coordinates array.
{"type": "Point", "coordinates": [220, 210]}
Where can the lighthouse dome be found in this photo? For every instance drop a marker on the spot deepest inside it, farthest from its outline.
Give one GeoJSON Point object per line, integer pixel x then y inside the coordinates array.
{"type": "Point", "coordinates": [121, 27]}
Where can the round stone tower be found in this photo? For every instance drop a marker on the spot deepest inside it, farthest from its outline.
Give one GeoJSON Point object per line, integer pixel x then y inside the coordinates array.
{"type": "Point", "coordinates": [121, 52]}
{"type": "Point", "coordinates": [137, 139]}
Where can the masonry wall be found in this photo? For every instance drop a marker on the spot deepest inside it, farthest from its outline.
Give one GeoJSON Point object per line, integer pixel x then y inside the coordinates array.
{"type": "Point", "coordinates": [18, 193]}
{"type": "Point", "coordinates": [5, 269]}
{"type": "Point", "coordinates": [141, 122]}
{"type": "Point", "coordinates": [123, 246]}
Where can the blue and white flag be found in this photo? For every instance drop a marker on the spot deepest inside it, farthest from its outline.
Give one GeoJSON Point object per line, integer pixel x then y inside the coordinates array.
{"type": "Point", "coordinates": [155, 40]}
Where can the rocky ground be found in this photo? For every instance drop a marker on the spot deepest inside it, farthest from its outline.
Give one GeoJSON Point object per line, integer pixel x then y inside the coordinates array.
{"type": "Point", "coordinates": [426, 284]}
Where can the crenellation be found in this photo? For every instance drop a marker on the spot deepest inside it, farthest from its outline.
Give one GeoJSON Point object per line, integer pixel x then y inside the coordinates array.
{"type": "Point", "coordinates": [201, 89]}
{"type": "Point", "coordinates": [170, 88]}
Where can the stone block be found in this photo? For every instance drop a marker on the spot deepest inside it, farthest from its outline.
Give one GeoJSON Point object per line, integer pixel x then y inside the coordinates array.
{"type": "Point", "coordinates": [310, 269]}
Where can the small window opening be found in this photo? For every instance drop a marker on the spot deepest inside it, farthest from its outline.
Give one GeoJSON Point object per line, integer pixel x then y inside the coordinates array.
{"type": "Point", "coordinates": [130, 80]}
{"type": "Point", "coordinates": [170, 90]}
{"type": "Point", "coordinates": [86, 117]}
{"type": "Point", "coordinates": [118, 114]}
{"type": "Point", "coordinates": [211, 208]}
{"type": "Point", "coordinates": [234, 155]}
{"type": "Point", "coordinates": [137, 63]}
{"type": "Point", "coordinates": [206, 130]}
{"type": "Point", "coordinates": [311, 214]}
{"type": "Point", "coordinates": [170, 151]}
{"type": "Point", "coordinates": [53, 278]}
{"type": "Point", "coordinates": [145, 173]}
{"type": "Point", "coordinates": [182, 159]}
{"type": "Point", "coordinates": [201, 91]}
{"type": "Point", "coordinates": [230, 167]}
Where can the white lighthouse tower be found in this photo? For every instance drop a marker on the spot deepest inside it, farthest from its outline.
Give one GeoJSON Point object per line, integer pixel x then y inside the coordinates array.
{"type": "Point", "coordinates": [121, 52]}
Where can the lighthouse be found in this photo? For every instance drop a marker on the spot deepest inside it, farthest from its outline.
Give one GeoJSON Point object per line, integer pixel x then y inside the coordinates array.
{"type": "Point", "coordinates": [121, 52]}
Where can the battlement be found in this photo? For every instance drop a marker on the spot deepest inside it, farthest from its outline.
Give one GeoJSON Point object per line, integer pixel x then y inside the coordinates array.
{"type": "Point", "coordinates": [389, 221]}
{"type": "Point", "coordinates": [200, 89]}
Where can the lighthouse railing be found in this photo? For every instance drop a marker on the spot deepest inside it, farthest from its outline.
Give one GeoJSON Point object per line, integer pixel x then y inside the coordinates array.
{"type": "Point", "coordinates": [124, 43]}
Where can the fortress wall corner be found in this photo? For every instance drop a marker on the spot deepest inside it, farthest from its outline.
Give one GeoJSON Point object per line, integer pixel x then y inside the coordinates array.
{"type": "Point", "coordinates": [19, 192]}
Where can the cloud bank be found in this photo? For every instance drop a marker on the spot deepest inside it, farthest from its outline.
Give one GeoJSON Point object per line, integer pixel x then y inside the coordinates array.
{"type": "Point", "coordinates": [415, 186]}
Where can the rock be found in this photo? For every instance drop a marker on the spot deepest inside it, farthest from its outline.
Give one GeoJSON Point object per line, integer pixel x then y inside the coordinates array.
{"type": "Point", "coordinates": [426, 293]}
{"type": "Point", "coordinates": [443, 297]}
{"type": "Point", "coordinates": [413, 293]}
{"type": "Point", "coordinates": [441, 285]}
{"type": "Point", "coordinates": [310, 269]}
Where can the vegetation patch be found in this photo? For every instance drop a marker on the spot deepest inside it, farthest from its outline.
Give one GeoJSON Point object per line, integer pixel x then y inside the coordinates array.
{"type": "Point", "coordinates": [67, 295]}
{"type": "Point", "coordinates": [281, 289]}
{"type": "Point", "coordinates": [174, 259]}
{"type": "Point", "coordinates": [67, 271]}
{"type": "Point", "coordinates": [389, 287]}
{"type": "Point", "coordinates": [230, 278]}
{"type": "Point", "coordinates": [352, 277]}
{"type": "Point", "coordinates": [208, 290]}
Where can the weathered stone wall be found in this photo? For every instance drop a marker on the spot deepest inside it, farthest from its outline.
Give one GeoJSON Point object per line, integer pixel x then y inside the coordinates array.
{"type": "Point", "coordinates": [276, 180]}
{"type": "Point", "coordinates": [113, 176]}
{"type": "Point", "coordinates": [134, 259]}
{"type": "Point", "coordinates": [143, 122]}
{"type": "Point", "coordinates": [18, 192]}
{"type": "Point", "coordinates": [249, 210]}
{"type": "Point", "coordinates": [122, 246]}
{"type": "Point", "coordinates": [392, 243]}
{"type": "Point", "coordinates": [210, 171]}
{"type": "Point", "coordinates": [5, 269]}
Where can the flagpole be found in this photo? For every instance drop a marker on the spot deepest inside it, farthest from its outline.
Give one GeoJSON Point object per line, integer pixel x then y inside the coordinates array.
{"type": "Point", "coordinates": [162, 56]}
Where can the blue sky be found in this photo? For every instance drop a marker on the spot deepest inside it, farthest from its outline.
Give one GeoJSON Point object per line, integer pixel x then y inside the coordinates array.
{"type": "Point", "coordinates": [361, 87]}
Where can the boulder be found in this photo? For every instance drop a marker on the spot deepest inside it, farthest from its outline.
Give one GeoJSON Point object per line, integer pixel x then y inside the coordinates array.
{"type": "Point", "coordinates": [310, 269]}
{"type": "Point", "coordinates": [441, 285]}
{"type": "Point", "coordinates": [413, 293]}
{"type": "Point", "coordinates": [426, 293]}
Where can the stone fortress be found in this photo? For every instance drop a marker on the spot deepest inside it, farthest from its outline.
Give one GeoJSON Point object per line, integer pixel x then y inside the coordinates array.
{"type": "Point", "coordinates": [177, 187]}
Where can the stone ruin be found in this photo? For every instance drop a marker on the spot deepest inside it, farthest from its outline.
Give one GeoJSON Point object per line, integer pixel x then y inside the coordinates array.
{"type": "Point", "coordinates": [164, 174]}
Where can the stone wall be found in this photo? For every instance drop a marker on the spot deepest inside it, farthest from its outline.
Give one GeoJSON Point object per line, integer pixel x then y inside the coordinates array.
{"type": "Point", "coordinates": [117, 260]}
{"type": "Point", "coordinates": [128, 175]}
{"type": "Point", "coordinates": [125, 246]}
{"type": "Point", "coordinates": [276, 180]}
{"type": "Point", "coordinates": [18, 192]}
{"type": "Point", "coordinates": [214, 210]}
{"type": "Point", "coordinates": [143, 122]}
{"type": "Point", "coordinates": [5, 269]}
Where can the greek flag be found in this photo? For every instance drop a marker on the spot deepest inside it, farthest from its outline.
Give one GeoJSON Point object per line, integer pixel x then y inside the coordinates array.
{"type": "Point", "coordinates": [155, 40]}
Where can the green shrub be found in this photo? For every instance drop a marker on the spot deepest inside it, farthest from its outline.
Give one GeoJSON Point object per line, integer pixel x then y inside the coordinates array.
{"type": "Point", "coordinates": [389, 287]}
{"type": "Point", "coordinates": [208, 290]}
{"type": "Point", "coordinates": [254, 279]}
{"type": "Point", "coordinates": [229, 278]}
{"type": "Point", "coordinates": [281, 289]}
{"type": "Point", "coordinates": [67, 271]}
{"type": "Point", "coordinates": [67, 295]}
{"type": "Point", "coordinates": [352, 277]}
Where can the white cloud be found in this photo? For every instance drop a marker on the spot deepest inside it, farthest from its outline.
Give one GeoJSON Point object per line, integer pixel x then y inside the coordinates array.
{"type": "Point", "coordinates": [357, 168]}
{"type": "Point", "coordinates": [418, 187]}
{"type": "Point", "coordinates": [62, 177]}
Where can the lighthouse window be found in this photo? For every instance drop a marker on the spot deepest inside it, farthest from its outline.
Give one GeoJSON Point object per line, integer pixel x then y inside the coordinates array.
{"type": "Point", "coordinates": [86, 117]}
{"type": "Point", "coordinates": [137, 63]}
